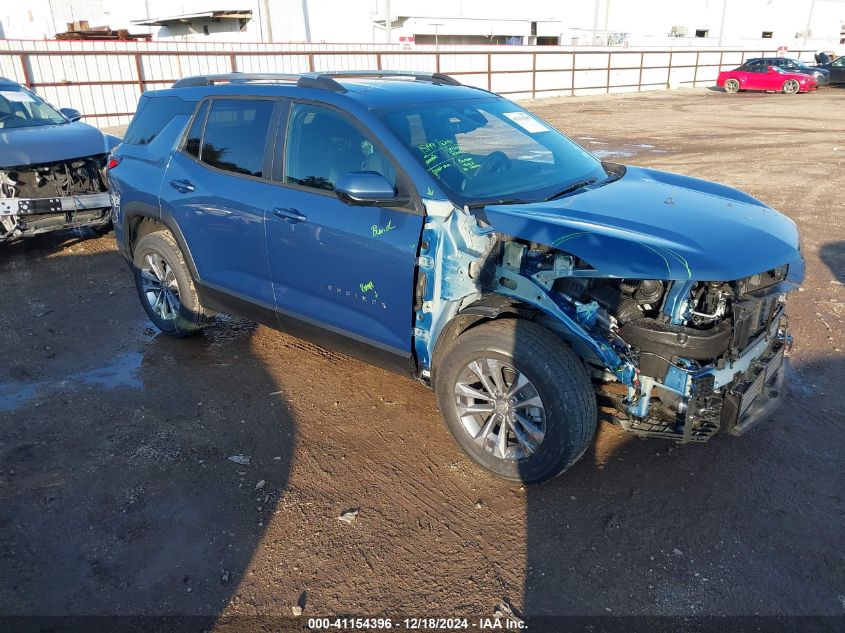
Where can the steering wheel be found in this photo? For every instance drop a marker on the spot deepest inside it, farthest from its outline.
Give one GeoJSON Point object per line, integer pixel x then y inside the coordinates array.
{"type": "Point", "coordinates": [493, 163]}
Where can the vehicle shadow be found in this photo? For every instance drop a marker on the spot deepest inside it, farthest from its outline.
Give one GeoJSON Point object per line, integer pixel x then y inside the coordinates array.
{"type": "Point", "coordinates": [650, 528]}
{"type": "Point", "coordinates": [137, 472]}
{"type": "Point", "coordinates": [833, 255]}
{"type": "Point", "coordinates": [46, 242]}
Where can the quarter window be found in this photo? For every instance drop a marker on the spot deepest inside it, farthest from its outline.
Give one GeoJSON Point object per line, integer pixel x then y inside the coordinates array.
{"type": "Point", "coordinates": [152, 117]}
{"type": "Point", "coordinates": [235, 135]}
{"type": "Point", "coordinates": [322, 146]}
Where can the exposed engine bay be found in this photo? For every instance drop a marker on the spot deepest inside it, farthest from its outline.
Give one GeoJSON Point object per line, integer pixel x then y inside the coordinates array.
{"type": "Point", "coordinates": [679, 359]}
{"type": "Point", "coordinates": [52, 196]}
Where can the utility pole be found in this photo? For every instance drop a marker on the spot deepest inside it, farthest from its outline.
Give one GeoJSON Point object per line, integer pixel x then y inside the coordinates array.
{"type": "Point", "coordinates": [306, 20]}
{"type": "Point", "coordinates": [268, 35]}
{"type": "Point", "coordinates": [388, 21]}
{"type": "Point", "coordinates": [436, 26]}
{"type": "Point", "coordinates": [722, 26]}
{"type": "Point", "coordinates": [809, 21]}
{"type": "Point", "coordinates": [595, 21]}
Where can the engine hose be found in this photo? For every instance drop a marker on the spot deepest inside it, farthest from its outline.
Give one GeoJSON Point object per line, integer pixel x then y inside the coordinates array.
{"type": "Point", "coordinates": [620, 306]}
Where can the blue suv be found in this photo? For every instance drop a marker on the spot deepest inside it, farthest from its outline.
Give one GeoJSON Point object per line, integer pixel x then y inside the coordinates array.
{"type": "Point", "coordinates": [442, 231]}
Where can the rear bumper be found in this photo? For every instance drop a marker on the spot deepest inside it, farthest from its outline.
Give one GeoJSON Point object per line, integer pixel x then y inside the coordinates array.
{"type": "Point", "coordinates": [20, 217]}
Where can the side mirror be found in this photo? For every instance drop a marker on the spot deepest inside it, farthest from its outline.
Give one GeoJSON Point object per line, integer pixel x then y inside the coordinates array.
{"type": "Point", "coordinates": [366, 188]}
{"type": "Point", "coordinates": [71, 114]}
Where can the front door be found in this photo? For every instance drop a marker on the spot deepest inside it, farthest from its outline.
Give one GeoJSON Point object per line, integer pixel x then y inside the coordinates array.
{"type": "Point", "coordinates": [837, 71]}
{"type": "Point", "coordinates": [348, 269]}
{"type": "Point", "coordinates": [759, 78]}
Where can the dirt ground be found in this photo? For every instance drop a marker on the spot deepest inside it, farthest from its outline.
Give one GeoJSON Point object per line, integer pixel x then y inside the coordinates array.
{"type": "Point", "coordinates": [118, 497]}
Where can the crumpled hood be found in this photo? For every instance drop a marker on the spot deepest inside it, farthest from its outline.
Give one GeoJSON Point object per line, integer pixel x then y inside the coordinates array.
{"type": "Point", "coordinates": [51, 143]}
{"type": "Point", "coordinates": [657, 225]}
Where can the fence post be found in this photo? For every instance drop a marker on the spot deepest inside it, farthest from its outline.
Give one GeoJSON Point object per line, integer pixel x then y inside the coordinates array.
{"type": "Point", "coordinates": [311, 62]}
{"type": "Point", "coordinates": [378, 61]}
{"type": "Point", "coordinates": [607, 81]}
{"type": "Point", "coordinates": [640, 80]}
{"type": "Point", "coordinates": [669, 74]}
{"type": "Point", "coordinates": [695, 72]}
{"type": "Point", "coordinates": [489, 71]}
{"type": "Point", "coordinates": [721, 59]}
{"type": "Point", "coordinates": [534, 75]}
{"type": "Point", "coordinates": [140, 72]}
{"type": "Point", "coordinates": [27, 78]}
{"type": "Point", "coordinates": [572, 77]}
{"type": "Point", "coordinates": [233, 63]}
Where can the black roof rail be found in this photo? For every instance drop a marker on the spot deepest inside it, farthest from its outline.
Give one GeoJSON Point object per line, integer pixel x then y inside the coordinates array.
{"type": "Point", "coordinates": [319, 80]}
{"type": "Point", "coordinates": [310, 80]}
{"type": "Point", "coordinates": [437, 78]}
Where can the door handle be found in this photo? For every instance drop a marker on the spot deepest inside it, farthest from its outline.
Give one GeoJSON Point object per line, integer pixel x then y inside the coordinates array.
{"type": "Point", "coordinates": [182, 186]}
{"type": "Point", "coordinates": [291, 215]}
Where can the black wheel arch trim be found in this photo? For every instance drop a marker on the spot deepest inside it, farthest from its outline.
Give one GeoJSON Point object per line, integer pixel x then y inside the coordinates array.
{"type": "Point", "coordinates": [136, 210]}
{"type": "Point", "coordinates": [488, 308]}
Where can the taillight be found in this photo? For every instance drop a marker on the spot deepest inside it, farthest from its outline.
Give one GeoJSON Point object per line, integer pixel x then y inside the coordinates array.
{"type": "Point", "coordinates": [114, 161]}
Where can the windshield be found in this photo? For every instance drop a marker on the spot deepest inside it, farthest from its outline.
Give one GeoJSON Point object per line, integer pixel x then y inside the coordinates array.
{"type": "Point", "coordinates": [798, 64]}
{"type": "Point", "coordinates": [20, 107]}
{"type": "Point", "coordinates": [490, 149]}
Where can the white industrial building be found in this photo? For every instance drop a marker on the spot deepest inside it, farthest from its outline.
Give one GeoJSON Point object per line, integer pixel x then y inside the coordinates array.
{"type": "Point", "coordinates": [818, 24]}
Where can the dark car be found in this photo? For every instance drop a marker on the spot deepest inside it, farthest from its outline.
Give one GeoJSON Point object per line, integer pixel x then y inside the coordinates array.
{"type": "Point", "coordinates": [821, 75]}
{"type": "Point", "coordinates": [52, 167]}
{"type": "Point", "coordinates": [442, 231]}
{"type": "Point", "coordinates": [836, 68]}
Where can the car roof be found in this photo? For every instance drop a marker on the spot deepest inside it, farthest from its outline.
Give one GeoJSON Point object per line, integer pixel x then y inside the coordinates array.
{"type": "Point", "coordinates": [8, 83]}
{"type": "Point", "coordinates": [370, 92]}
{"type": "Point", "coordinates": [772, 59]}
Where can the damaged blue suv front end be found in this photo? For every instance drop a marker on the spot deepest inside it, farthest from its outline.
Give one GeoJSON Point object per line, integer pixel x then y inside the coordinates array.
{"type": "Point", "coordinates": [670, 289]}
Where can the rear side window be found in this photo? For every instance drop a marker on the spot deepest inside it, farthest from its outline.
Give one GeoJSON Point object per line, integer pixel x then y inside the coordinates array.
{"type": "Point", "coordinates": [192, 142]}
{"type": "Point", "coordinates": [153, 114]}
{"type": "Point", "coordinates": [235, 134]}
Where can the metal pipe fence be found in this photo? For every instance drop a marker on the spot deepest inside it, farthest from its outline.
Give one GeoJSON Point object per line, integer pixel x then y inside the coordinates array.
{"type": "Point", "coordinates": [105, 82]}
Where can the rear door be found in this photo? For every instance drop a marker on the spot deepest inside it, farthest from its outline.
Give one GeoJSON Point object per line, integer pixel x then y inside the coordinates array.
{"type": "Point", "coordinates": [217, 189]}
{"type": "Point", "coordinates": [348, 269]}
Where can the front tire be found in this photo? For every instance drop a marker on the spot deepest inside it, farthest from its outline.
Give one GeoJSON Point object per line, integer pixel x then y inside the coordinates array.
{"type": "Point", "coordinates": [165, 286]}
{"type": "Point", "coordinates": [516, 399]}
{"type": "Point", "coordinates": [790, 87]}
{"type": "Point", "coordinates": [732, 86]}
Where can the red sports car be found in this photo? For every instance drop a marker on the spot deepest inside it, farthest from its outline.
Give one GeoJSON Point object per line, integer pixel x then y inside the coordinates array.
{"type": "Point", "coordinates": [765, 78]}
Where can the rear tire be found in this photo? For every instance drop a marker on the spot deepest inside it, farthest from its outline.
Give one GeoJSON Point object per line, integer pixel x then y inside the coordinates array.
{"type": "Point", "coordinates": [790, 87]}
{"type": "Point", "coordinates": [165, 286]}
{"type": "Point", "coordinates": [531, 433]}
{"type": "Point", "coordinates": [732, 86]}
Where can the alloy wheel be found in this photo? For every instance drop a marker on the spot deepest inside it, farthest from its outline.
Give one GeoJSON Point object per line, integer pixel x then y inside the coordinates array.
{"type": "Point", "coordinates": [160, 288]}
{"type": "Point", "coordinates": [500, 409]}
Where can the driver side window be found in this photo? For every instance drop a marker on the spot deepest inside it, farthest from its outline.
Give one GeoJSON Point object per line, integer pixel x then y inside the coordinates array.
{"type": "Point", "coordinates": [322, 145]}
